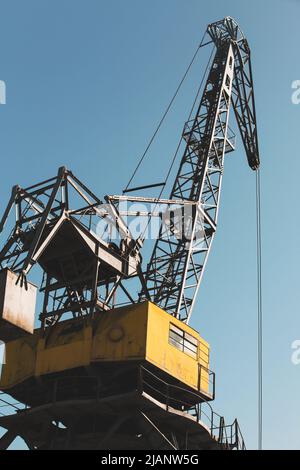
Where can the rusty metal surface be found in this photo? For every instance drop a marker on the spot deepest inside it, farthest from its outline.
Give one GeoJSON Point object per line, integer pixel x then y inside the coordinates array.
{"type": "Point", "coordinates": [17, 305]}
{"type": "Point", "coordinates": [153, 418]}
{"type": "Point", "coordinates": [100, 414]}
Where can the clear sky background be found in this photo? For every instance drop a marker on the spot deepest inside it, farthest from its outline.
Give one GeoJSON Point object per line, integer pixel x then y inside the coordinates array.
{"type": "Point", "coordinates": [88, 80]}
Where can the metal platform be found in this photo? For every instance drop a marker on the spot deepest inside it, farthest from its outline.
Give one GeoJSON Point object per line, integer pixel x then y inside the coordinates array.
{"type": "Point", "coordinates": [146, 418]}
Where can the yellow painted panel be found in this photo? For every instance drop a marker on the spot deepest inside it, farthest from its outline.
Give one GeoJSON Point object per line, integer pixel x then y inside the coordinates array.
{"type": "Point", "coordinates": [120, 334]}
{"type": "Point", "coordinates": [69, 346]}
{"type": "Point", "coordinates": [136, 332]}
{"type": "Point", "coordinates": [20, 361]}
{"type": "Point", "coordinates": [167, 357]}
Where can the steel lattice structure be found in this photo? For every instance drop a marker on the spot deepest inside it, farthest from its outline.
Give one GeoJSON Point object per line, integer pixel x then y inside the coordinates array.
{"type": "Point", "coordinates": [84, 274]}
{"type": "Point", "coordinates": [79, 279]}
{"type": "Point", "coordinates": [177, 264]}
{"type": "Point", "coordinates": [80, 285]}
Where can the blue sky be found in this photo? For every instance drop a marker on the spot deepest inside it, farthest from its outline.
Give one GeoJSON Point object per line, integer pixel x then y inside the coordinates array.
{"type": "Point", "coordinates": [87, 81]}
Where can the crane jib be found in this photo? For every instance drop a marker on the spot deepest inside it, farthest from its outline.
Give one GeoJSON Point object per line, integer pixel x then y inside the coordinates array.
{"type": "Point", "coordinates": [176, 267]}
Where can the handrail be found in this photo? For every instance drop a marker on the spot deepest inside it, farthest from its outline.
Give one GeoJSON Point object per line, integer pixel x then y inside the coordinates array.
{"type": "Point", "coordinates": [228, 436]}
{"type": "Point", "coordinates": [197, 407]}
{"type": "Point", "coordinates": [174, 386]}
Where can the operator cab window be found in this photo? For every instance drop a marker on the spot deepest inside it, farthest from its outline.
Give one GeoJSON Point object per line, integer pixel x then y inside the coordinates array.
{"type": "Point", "coordinates": [183, 341]}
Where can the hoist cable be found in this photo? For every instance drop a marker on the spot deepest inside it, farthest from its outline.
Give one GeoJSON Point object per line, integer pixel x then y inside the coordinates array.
{"type": "Point", "coordinates": [259, 311]}
{"type": "Point", "coordinates": [180, 142]}
{"type": "Point", "coordinates": [189, 117]}
{"type": "Point", "coordinates": [166, 112]}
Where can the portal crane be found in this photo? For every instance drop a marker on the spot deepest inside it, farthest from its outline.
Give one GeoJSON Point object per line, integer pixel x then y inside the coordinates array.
{"type": "Point", "coordinates": [101, 345]}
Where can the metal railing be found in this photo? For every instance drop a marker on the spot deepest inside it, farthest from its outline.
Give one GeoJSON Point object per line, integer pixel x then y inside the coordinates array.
{"type": "Point", "coordinates": [208, 377]}
{"type": "Point", "coordinates": [228, 436]}
{"type": "Point", "coordinates": [172, 396]}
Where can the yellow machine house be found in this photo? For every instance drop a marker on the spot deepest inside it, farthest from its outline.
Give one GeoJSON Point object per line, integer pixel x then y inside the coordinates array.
{"type": "Point", "coordinates": [116, 342]}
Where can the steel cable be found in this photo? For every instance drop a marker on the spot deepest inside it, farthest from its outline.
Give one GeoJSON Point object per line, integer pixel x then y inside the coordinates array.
{"type": "Point", "coordinates": [166, 112]}
{"type": "Point", "coordinates": [259, 311]}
